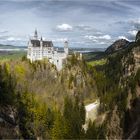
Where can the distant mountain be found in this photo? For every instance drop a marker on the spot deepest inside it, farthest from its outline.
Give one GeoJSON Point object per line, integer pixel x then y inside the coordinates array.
{"type": "Point", "coordinates": [117, 45]}
{"type": "Point", "coordinates": [3, 45]}
{"type": "Point", "coordinates": [9, 48]}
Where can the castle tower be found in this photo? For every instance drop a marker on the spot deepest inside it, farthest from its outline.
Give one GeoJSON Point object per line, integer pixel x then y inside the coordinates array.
{"type": "Point", "coordinates": [41, 47]}
{"type": "Point", "coordinates": [66, 48]}
{"type": "Point", "coordinates": [36, 35]}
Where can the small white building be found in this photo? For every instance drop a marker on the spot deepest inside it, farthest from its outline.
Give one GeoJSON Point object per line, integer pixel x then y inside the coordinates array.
{"type": "Point", "coordinates": [39, 49]}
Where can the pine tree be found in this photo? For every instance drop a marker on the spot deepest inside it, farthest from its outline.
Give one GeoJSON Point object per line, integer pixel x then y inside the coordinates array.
{"type": "Point", "coordinates": [49, 119]}
{"type": "Point", "coordinates": [26, 116]}
{"type": "Point", "coordinates": [74, 114]}
{"type": "Point", "coordinates": [68, 108]}
{"type": "Point", "coordinates": [58, 128]}
{"type": "Point", "coordinates": [82, 113]}
{"type": "Point", "coordinates": [91, 132]}
{"type": "Point", "coordinates": [77, 125]}
{"type": "Point", "coordinates": [68, 117]}
{"type": "Point", "coordinates": [7, 87]}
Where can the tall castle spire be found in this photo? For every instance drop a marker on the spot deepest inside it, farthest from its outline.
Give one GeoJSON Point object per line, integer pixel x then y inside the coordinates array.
{"type": "Point", "coordinates": [35, 34]}
{"type": "Point", "coordinates": [41, 38]}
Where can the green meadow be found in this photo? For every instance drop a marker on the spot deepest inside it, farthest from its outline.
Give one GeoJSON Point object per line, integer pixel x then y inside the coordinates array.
{"type": "Point", "coordinates": [97, 62]}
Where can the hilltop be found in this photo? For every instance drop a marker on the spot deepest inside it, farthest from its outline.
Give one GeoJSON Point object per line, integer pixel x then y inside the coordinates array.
{"type": "Point", "coordinates": [117, 45]}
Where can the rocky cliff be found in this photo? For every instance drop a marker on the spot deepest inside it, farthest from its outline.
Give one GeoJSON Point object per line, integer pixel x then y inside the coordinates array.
{"type": "Point", "coordinates": [117, 45]}
{"type": "Point", "coordinates": [8, 123]}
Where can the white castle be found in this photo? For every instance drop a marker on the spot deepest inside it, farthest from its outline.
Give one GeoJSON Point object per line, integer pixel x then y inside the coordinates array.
{"type": "Point", "coordinates": [39, 49]}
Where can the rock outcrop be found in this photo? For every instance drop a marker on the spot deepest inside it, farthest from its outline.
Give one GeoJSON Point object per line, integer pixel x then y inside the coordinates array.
{"type": "Point", "coordinates": [8, 123]}
{"type": "Point", "coordinates": [137, 36]}
{"type": "Point", "coordinates": [117, 45]}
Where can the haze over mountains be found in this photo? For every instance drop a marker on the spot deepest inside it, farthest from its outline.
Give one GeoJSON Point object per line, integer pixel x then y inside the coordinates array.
{"type": "Point", "coordinates": [24, 48]}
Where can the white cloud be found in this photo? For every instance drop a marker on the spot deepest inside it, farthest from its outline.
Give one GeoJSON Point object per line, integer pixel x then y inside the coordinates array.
{"type": "Point", "coordinates": [99, 33]}
{"type": "Point", "coordinates": [99, 40]}
{"type": "Point", "coordinates": [103, 37]}
{"type": "Point", "coordinates": [135, 21]}
{"type": "Point", "coordinates": [90, 37]}
{"type": "Point", "coordinates": [84, 27]}
{"type": "Point", "coordinates": [102, 43]}
{"type": "Point", "coordinates": [107, 37]}
{"type": "Point", "coordinates": [13, 39]}
{"type": "Point", "coordinates": [133, 32]}
{"type": "Point", "coordinates": [60, 40]}
{"type": "Point", "coordinates": [122, 37]}
{"type": "Point", "coordinates": [3, 32]}
{"type": "Point", "coordinates": [95, 40]}
{"type": "Point", "coordinates": [64, 27]}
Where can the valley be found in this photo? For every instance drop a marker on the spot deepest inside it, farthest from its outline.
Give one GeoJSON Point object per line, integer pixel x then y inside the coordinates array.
{"type": "Point", "coordinates": [93, 97]}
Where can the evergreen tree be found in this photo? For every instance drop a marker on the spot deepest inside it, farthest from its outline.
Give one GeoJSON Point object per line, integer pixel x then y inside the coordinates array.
{"type": "Point", "coordinates": [25, 117]}
{"type": "Point", "coordinates": [68, 116]}
{"type": "Point", "coordinates": [7, 87]}
{"type": "Point", "coordinates": [49, 119]}
{"type": "Point", "coordinates": [68, 108]}
{"type": "Point", "coordinates": [82, 113]}
{"type": "Point", "coordinates": [74, 114]}
{"type": "Point", "coordinates": [58, 129]}
{"type": "Point", "coordinates": [91, 132]}
{"type": "Point", "coordinates": [77, 123]}
{"type": "Point", "coordinates": [95, 132]}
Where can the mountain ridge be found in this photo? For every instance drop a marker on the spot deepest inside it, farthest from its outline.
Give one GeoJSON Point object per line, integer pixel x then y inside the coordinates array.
{"type": "Point", "coordinates": [117, 45]}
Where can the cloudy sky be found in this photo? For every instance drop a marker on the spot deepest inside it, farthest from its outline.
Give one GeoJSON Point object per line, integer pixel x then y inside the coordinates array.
{"type": "Point", "coordinates": [84, 23]}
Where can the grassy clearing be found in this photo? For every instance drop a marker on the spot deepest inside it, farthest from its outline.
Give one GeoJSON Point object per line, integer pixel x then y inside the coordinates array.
{"type": "Point", "coordinates": [97, 62]}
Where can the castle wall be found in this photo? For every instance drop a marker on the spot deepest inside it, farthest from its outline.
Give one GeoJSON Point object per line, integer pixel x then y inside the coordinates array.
{"type": "Point", "coordinates": [58, 60]}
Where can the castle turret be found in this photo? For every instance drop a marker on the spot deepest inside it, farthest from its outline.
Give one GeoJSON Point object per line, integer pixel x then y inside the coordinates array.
{"type": "Point", "coordinates": [66, 48]}
{"type": "Point", "coordinates": [36, 35]}
{"type": "Point", "coordinates": [41, 42]}
{"type": "Point", "coordinates": [41, 46]}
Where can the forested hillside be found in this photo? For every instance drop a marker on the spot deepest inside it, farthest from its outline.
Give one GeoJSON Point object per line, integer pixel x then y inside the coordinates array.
{"type": "Point", "coordinates": [119, 90]}
{"type": "Point", "coordinates": [38, 101]}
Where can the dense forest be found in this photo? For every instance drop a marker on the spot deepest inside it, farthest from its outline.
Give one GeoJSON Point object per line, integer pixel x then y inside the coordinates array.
{"type": "Point", "coordinates": [37, 101]}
